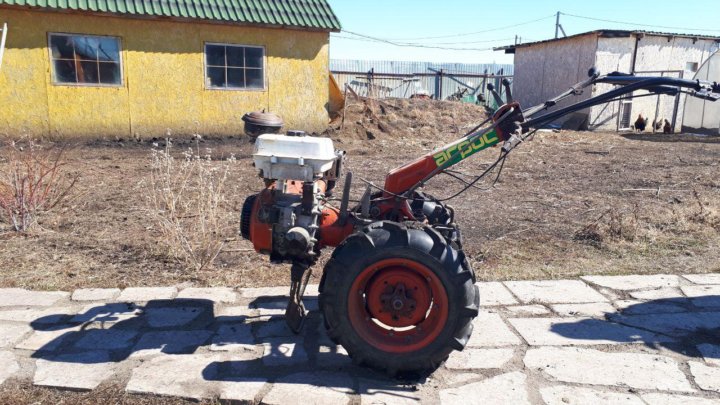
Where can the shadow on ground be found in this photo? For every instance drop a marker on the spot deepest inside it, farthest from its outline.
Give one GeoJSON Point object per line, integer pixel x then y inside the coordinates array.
{"type": "Point", "coordinates": [690, 326]}
{"type": "Point", "coordinates": [256, 346]}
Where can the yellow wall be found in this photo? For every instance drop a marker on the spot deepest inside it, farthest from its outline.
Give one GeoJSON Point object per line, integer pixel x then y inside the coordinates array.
{"type": "Point", "coordinates": [163, 79]}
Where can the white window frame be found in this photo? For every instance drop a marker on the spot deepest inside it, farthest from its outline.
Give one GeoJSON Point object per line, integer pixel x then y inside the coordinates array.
{"type": "Point", "coordinates": [69, 34]}
{"type": "Point", "coordinates": [205, 68]}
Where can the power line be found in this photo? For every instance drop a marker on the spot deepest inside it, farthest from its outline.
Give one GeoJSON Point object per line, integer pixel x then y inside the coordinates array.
{"type": "Point", "coordinates": [475, 32]}
{"type": "Point", "coordinates": [639, 24]}
{"type": "Point", "coordinates": [428, 43]}
{"type": "Point", "coordinates": [365, 38]}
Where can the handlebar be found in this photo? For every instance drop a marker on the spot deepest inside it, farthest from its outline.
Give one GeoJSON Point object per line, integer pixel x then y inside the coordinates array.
{"type": "Point", "coordinates": [661, 85]}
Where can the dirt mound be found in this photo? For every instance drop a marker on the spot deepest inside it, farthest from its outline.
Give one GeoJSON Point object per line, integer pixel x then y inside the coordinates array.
{"type": "Point", "coordinates": [367, 119]}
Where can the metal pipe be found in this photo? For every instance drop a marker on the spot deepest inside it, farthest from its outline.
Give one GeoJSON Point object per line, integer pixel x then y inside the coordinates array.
{"type": "Point", "coordinates": [631, 83]}
{"type": "Point", "coordinates": [3, 32]}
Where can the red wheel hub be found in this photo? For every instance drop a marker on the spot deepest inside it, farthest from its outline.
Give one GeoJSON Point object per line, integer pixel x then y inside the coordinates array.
{"type": "Point", "coordinates": [398, 305]}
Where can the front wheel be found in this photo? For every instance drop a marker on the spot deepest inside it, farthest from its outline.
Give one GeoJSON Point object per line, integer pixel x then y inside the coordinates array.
{"type": "Point", "coordinates": [398, 298]}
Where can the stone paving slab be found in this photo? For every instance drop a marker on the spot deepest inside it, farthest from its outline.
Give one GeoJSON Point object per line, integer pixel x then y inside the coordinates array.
{"type": "Point", "coordinates": [316, 388]}
{"type": "Point", "coordinates": [12, 297]}
{"type": "Point", "coordinates": [565, 395]}
{"type": "Point", "coordinates": [95, 294]}
{"type": "Point", "coordinates": [36, 315]}
{"type": "Point", "coordinates": [703, 295]}
{"type": "Point", "coordinates": [176, 375]}
{"type": "Point", "coordinates": [634, 307]}
{"type": "Point", "coordinates": [472, 358]}
{"type": "Point", "coordinates": [233, 337]}
{"type": "Point", "coordinates": [627, 283]}
{"type": "Point", "coordinates": [657, 294]}
{"type": "Point", "coordinates": [675, 324]}
{"type": "Point", "coordinates": [375, 392]}
{"type": "Point", "coordinates": [593, 309]}
{"type": "Point", "coordinates": [553, 341]}
{"type": "Point", "coordinates": [283, 352]}
{"type": "Point", "coordinates": [8, 365]}
{"type": "Point", "coordinates": [530, 310]}
{"type": "Point", "coordinates": [594, 367]}
{"type": "Point", "coordinates": [504, 389]}
{"type": "Point", "coordinates": [489, 330]}
{"type": "Point", "coordinates": [581, 331]}
{"type": "Point", "coordinates": [677, 399]}
{"type": "Point", "coordinates": [710, 278]}
{"type": "Point", "coordinates": [145, 294]}
{"type": "Point", "coordinates": [494, 293]}
{"type": "Point", "coordinates": [174, 342]}
{"type": "Point", "coordinates": [554, 291]}
{"type": "Point", "coordinates": [216, 294]}
{"type": "Point", "coordinates": [11, 333]}
{"type": "Point", "coordinates": [80, 371]}
{"type": "Point", "coordinates": [706, 377]}
{"type": "Point", "coordinates": [49, 340]}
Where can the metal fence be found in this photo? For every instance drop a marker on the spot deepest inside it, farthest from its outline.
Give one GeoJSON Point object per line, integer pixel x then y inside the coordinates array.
{"type": "Point", "coordinates": [382, 79]}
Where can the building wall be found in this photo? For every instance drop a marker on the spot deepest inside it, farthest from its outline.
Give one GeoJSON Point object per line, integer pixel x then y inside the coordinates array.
{"type": "Point", "coordinates": [544, 70]}
{"type": "Point", "coordinates": [164, 79]}
{"type": "Point", "coordinates": [613, 55]}
{"type": "Point", "coordinates": [656, 55]}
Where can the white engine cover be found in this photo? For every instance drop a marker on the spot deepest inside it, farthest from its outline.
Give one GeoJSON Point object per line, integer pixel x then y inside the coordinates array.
{"type": "Point", "coordinates": [293, 157]}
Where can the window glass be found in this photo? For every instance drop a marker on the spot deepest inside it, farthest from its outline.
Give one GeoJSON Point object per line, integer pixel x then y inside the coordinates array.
{"type": "Point", "coordinates": [254, 57]}
{"type": "Point", "coordinates": [85, 59]}
{"type": "Point", "coordinates": [234, 67]}
{"type": "Point", "coordinates": [254, 78]}
{"type": "Point", "coordinates": [236, 77]}
{"type": "Point", "coordinates": [215, 55]}
{"type": "Point", "coordinates": [216, 77]}
{"type": "Point", "coordinates": [235, 56]}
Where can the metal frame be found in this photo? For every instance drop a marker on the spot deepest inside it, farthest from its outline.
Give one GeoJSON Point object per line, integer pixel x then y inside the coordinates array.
{"type": "Point", "coordinates": [121, 61]}
{"type": "Point", "coordinates": [3, 37]}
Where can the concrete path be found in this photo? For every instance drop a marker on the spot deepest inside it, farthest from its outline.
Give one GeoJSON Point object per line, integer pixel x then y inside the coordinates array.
{"type": "Point", "coordinates": [617, 340]}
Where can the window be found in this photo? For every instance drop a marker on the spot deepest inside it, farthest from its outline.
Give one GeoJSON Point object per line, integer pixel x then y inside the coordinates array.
{"type": "Point", "coordinates": [85, 59]}
{"type": "Point", "coordinates": [234, 67]}
{"type": "Point", "coordinates": [691, 66]}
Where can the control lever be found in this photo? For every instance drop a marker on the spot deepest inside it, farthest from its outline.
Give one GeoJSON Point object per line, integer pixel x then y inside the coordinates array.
{"type": "Point", "coordinates": [506, 84]}
{"type": "Point", "coordinates": [495, 94]}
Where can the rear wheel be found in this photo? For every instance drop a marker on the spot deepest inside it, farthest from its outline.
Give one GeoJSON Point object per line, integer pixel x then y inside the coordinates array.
{"type": "Point", "coordinates": [398, 298]}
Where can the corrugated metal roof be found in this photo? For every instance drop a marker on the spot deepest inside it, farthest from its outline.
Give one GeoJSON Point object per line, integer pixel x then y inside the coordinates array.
{"type": "Point", "coordinates": [308, 14]}
{"type": "Point", "coordinates": [606, 33]}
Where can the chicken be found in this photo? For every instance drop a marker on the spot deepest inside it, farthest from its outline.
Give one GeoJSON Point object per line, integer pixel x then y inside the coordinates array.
{"type": "Point", "coordinates": [640, 123]}
{"type": "Point", "coordinates": [667, 128]}
{"type": "Point", "coordinates": [657, 125]}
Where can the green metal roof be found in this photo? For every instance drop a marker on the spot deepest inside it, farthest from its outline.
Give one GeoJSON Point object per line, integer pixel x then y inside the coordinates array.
{"type": "Point", "coordinates": [310, 14]}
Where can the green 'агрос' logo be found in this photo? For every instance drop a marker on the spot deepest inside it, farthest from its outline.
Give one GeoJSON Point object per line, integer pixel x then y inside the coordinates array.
{"type": "Point", "coordinates": [456, 153]}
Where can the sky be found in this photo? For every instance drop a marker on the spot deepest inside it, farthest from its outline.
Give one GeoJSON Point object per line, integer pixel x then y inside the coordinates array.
{"type": "Point", "coordinates": [468, 28]}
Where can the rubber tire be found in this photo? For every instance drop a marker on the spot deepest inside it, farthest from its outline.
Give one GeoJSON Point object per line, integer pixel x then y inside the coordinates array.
{"type": "Point", "coordinates": [383, 240]}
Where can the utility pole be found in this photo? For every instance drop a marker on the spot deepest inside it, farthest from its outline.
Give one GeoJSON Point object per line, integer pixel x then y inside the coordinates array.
{"type": "Point", "coordinates": [558, 26]}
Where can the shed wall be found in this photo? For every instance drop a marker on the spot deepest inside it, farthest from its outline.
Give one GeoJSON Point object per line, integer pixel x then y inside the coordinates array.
{"type": "Point", "coordinates": [544, 70]}
{"type": "Point", "coordinates": [164, 80]}
{"type": "Point", "coordinates": [656, 55]}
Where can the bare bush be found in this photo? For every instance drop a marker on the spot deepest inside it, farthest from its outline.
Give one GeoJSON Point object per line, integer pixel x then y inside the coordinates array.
{"type": "Point", "coordinates": [613, 225]}
{"type": "Point", "coordinates": [32, 181]}
{"type": "Point", "coordinates": [185, 199]}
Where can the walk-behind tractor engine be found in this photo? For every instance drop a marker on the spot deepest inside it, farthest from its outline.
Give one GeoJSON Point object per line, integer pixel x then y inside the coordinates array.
{"type": "Point", "coordinates": [397, 292]}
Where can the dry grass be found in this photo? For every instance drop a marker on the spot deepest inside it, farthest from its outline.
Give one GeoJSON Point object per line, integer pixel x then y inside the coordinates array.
{"type": "Point", "coordinates": [16, 392]}
{"type": "Point", "coordinates": [526, 227]}
{"type": "Point", "coordinates": [184, 202]}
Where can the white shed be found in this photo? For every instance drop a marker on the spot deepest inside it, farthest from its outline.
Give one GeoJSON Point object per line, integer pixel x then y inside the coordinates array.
{"type": "Point", "coordinates": [546, 68]}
